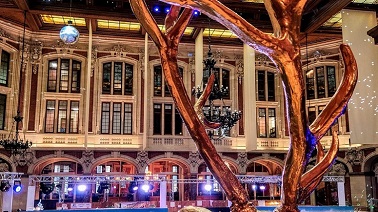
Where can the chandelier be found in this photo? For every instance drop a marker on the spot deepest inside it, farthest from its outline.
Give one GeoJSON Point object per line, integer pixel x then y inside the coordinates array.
{"type": "Point", "coordinates": [13, 142]}
{"type": "Point", "coordinates": [223, 115]}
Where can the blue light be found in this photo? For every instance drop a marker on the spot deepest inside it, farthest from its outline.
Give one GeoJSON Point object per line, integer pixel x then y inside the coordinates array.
{"type": "Point", "coordinates": [156, 9]}
{"type": "Point", "coordinates": [17, 186]}
{"type": "Point", "coordinates": [166, 10]}
{"type": "Point", "coordinates": [196, 13]}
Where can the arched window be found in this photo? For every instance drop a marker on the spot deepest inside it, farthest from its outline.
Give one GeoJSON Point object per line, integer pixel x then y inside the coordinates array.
{"type": "Point", "coordinates": [266, 122]}
{"type": "Point", "coordinates": [160, 85]}
{"type": "Point", "coordinates": [64, 76]}
{"type": "Point", "coordinates": [117, 78]}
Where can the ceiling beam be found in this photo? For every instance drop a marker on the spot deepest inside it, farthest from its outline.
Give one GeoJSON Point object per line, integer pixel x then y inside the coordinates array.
{"type": "Point", "coordinates": [22, 4]}
{"type": "Point", "coordinates": [314, 20]}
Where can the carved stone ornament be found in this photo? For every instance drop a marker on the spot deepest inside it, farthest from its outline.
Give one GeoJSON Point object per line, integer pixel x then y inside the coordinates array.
{"type": "Point", "coordinates": [4, 34]}
{"type": "Point", "coordinates": [240, 70]}
{"type": "Point", "coordinates": [142, 158]}
{"type": "Point", "coordinates": [242, 159]}
{"type": "Point", "coordinates": [337, 169]}
{"type": "Point", "coordinates": [354, 156]}
{"type": "Point", "coordinates": [24, 159]}
{"type": "Point", "coordinates": [4, 167]}
{"type": "Point", "coordinates": [194, 159]}
{"type": "Point", "coordinates": [87, 157]}
{"type": "Point", "coordinates": [93, 59]}
{"type": "Point", "coordinates": [119, 50]}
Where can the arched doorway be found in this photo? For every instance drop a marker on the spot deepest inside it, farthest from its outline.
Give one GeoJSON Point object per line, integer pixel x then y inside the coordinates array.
{"type": "Point", "coordinates": [59, 189]}
{"type": "Point", "coordinates": [173, 169]}
{"type": "Point", "coordinates": [263, 190]}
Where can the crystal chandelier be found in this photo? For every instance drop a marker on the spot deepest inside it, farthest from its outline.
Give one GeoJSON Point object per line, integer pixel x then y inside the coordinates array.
{"type": "Point", "coordinates": [13, 143]}
{"type": "Point", "coordinates": [222, 115]}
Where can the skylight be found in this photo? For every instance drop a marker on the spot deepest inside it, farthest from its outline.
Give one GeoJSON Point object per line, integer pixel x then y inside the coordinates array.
{"type": "Point", "coordinates": [62, 20]}
{"type": "Point", "coordinates": [188, 30]}
{"type": "Point", "coordinates": [219, 33]}
{"type": "Point", "coordinates": [122, 25]}
{"type": "Point", "coordinates": [334, 21]}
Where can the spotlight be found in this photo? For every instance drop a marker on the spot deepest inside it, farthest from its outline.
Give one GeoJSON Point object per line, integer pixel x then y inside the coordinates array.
{"type": "Point", "coordinates": [156, 9]}
{"type": "Point", "coordinates": [5, 186]}
{"type": "Point", "coordinates": [208, 187]}
{"type": "Point", "coordinates": [254, 187]}
{"type": "Point", "coordinates": [167, 10]}
{"type": "Point", "coordinates": [69, 189]}
{"type": "Point", "coordinates": [133, 187]}
{"type": "Point", "coordinates": [17, 186]}
{"type": "Point", "coordinates": [47, 188]}
{"type": "Point", "coordinates": [145, 187]}
{"type": "Point", "coordinates": [82, 188]}
{"type": "Point", "coordinates": [196, 13]}
{"type": "Point", "coordinates": [262, 187]}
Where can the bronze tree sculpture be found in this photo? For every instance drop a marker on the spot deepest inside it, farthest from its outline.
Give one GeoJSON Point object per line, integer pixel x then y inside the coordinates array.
{"type": "Point", "coordinates": [283, 48]}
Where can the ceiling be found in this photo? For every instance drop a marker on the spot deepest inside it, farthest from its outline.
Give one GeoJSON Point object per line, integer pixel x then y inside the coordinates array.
{"type": "Point", "coordinates": [321, 19]}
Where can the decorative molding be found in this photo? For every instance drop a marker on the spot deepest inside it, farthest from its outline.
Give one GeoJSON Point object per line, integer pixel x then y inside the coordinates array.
{"type": "Point", "coordinates": [87, 158]}
{"type": "Point", "coordinates": [25, 159]}
{"type": "Point", "coordinates": [194, 159]}
{"type": "Point", "coordinates": [242, 161]}
{"type": "Point", "coordinates": [354, 156]}
{"type": "Point", "coordinates": [141, 159]}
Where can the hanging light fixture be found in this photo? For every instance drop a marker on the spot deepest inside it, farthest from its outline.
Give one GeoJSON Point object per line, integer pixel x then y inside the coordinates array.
{"type": "Point", "coordinates": [222, 115]}
{"type": "Point", "coordinates": [69, 34]}
{"type": "Point", "coordinates": [13, 143]}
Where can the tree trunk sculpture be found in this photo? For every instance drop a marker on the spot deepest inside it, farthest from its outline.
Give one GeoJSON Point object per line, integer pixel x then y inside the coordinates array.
{"type": "Point", "coordinates": [283, 48]}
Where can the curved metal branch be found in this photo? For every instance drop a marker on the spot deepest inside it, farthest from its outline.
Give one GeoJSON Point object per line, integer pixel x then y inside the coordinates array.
{"type": "Point", "coordinates": [171, 17]}
{"type": "Point", "coordinates": [144, 16]}
{"type": "Point", "coordinates": [257, 39]}
{"type": "Point", "coordinates": [304, 191]}
{"type": "Point", "coordinates": [179, 27]}
{"type": "Point", "coordinates": [272, 15]}
{"type": "Point", "coordinates": [340, 99]}
{"type": "Point", "coordinates": [201, 102]}
{"type": "Point", "coordinates": [311, 178]}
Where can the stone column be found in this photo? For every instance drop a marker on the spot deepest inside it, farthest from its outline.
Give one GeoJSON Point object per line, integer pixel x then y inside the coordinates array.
{"type": "Point", "coordinates": [88, 84]}
{"type": "Point", "coordinates": [8, 199]}
{"type": "Point", "coordinates": [163, 194]}
{"type": "Point", "coordinates": [145, 95]}
{"type": "Point", "coordinates": [30, 198]}
{"type": "Point", "coordinates": [249, 111]}
{"type": "Point", "coordinates": [341, 193]}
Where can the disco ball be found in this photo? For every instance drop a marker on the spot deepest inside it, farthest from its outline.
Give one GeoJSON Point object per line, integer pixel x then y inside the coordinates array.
{"type": "Point", "coordinates": [69, 34]}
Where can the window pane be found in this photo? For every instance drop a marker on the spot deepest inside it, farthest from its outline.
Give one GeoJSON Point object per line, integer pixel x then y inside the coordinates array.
{"type": "Point", "coordinates": [52, 73]}
{"type": "Point", "coordinates": [262, 122]}
{"type": "Point", "coordinates": [106, 78]}
{"type": "Point", "coordinates": [50, 116]}
{"type": "Point", "coordinates": [128, 79]}
{"type": "Point", "coordinates": [272, 122]}
{"type": "Point", "coordinates": [157, 119]}
{"type": "Point", "coordinates": [178, 123]}
{"type": "Point", "coordinates": [320, 81]}
{"type": "Point", "coordinates": [4, 67]}
{"type": "Point", "coordinates": [128, 119]}
{"type": "Point", "coordinates": [261, 85]}
{"type": "Point", "coordinates": [105, 117]}
{"type": "Point", "coordinates": [3, 101]}
{"type": "Point", "coordinates": [62, 117]}
{"type": "Point", "coordinates": [331, 77]}
{"type": "Point", "coordinates": [64, 69]}
{"type": "Point", "coordinates": [76, 71]}
{"type": "Point", "coordinates": [116, 118]}
{"type": "Point", "coordinates": [74, 120]}
{"type": "Point", "coordinates": [226, 83]}
{"type": "Point", "coordinates": [311, 114]}
{"type": "Point", "coordinates": [168, 119]}
{"type": "Point", "coordinates": [271, 87]}
{"type": "Point", "coordinates": [157, 81]}
{"type": "Point", "coordinates": [117, 83]}
{"type": "Point", "coordinates": [167, 92]}
{"type": "Point", "coordinates": [310, 83]}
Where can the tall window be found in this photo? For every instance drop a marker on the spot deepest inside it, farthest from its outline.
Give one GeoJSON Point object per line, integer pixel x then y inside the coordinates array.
{"type": "Point", "coordinates": [3, 101]}
{"type": "Point", "coordinates": [267, 123]}
{"type": "Point", "coordinates": [166, 121]}
{"type": "Point", "coordinates": [321, 83]}
{"type": "Point", "coordinates": [66, 109]}
{"type": "Point", "coordinates": [160, 85]}
{"type": "Point", "coordinates": [265, 86]}
{"type": "Point", "coordinates": [116, 118]}
{"type": "Point", "coordinates": [4, 67]}
{"type": "Point", "coordinates": [117, 78]}
{"type": "Point", "coordinates": [222, 78]}
{"type": "Point", "coordinates": [63, 75]}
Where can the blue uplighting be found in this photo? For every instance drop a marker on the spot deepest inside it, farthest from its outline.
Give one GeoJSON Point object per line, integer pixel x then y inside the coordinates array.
{"type": "Point", "coordinates": [156, 9]}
